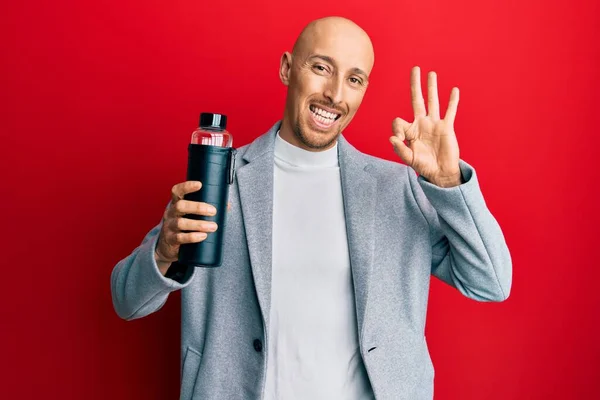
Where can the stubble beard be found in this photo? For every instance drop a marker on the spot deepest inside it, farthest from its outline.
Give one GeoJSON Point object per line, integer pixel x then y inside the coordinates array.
{"type": "Point", "coordinates": [311, 144]}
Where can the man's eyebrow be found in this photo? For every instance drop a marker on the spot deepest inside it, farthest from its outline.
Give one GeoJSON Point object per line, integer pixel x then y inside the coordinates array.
{"type": "Point", "coordinates": [331, 61]}
{"type": "Point", "coordinates": [324, 58]}
{"type": "Point", "coordinates": [359, 72]}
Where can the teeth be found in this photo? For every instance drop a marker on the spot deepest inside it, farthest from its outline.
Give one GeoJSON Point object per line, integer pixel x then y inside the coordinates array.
{"type": "Point", "coordinates": [323, 119]}
{"type": "Point", "coordinates": [324, 114]}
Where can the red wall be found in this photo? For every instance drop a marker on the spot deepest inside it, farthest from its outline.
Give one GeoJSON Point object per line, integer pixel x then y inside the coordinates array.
{"type": "Point", "coordinates": [98, 100]}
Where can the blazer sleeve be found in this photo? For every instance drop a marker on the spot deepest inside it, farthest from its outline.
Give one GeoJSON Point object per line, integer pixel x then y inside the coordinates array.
{"type": "Point", "coordinates": [137, 286]}
{"type": "Point", "coordinates": [469, 251]}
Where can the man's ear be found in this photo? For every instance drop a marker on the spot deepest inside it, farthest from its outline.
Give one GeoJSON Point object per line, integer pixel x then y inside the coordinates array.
{"type": "Point", "coordinates": [285, 68]}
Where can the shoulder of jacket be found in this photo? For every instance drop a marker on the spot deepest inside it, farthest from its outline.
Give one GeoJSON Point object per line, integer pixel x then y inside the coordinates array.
{"type": "Point", "coordinates": [383, 168]}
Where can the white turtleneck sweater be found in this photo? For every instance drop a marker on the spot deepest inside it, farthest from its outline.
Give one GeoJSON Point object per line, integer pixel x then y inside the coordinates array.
{"type": "Point", "coordinates": [313, 350]}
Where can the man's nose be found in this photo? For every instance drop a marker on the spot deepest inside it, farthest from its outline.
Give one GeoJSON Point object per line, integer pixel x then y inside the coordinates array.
{"type": "Point", "coordinates": [334, 90]}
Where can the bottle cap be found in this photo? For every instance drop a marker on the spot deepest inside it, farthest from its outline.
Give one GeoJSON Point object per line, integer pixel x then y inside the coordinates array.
{"type": "Point", "coordinates": [213, 121]}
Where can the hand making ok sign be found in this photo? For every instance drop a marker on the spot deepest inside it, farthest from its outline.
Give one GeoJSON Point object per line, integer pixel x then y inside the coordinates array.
{"type": "Point", "coordinates": [431, 148]}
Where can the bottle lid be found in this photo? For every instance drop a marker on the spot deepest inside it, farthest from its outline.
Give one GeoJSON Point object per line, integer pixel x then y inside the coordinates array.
{"type": "Point", "coordinates": [213, 121]}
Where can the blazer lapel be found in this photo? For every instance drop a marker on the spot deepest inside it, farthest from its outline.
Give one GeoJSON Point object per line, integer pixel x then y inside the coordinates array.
{"type": "Point", "coordinates": [359, 193]}
{"type": "Point", "coordinates": [255, 185]}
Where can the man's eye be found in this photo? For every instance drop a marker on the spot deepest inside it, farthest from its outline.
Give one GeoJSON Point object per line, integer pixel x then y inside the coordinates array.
{"type": "Point", "coordinates": [320, 68]}
{"type": "Point", "coordinates": [355, 81]}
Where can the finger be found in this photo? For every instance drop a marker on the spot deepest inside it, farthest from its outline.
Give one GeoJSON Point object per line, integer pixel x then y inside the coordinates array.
{"type": "Point", "coordinates": [404, 130]}
{"type": "Point", "coordinates": [181, 189]}
{"type": "Point", "coordinates": [452, 106]}
{"type": "Point", "coordinates": [183, 207]}
{"type": "Point", "coordinates": [229, 206]}
{"type": "Point", "coordinates": [399, 128]}
{"type": "Point", "coordinates": [433, 103]}
{"type": "Point", "coordinates": [418, 102]}
{"type": "Point", "coordinates": [192, 225]}
{"type": "Point", "coordinates": [402, 150]}
{"type": "Point", "coordinates": [192, 237]}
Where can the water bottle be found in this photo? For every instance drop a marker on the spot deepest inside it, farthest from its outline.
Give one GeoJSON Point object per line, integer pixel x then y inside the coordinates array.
{"type": "Point", "coordinates": [211, 160]}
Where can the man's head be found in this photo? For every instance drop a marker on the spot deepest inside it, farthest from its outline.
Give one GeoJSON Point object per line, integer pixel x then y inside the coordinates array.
{"type": "Point", "coordinates": [327, 75]}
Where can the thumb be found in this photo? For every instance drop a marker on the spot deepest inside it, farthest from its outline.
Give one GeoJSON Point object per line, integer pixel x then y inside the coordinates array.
{"type": "Point", "coordinates": [402, 150]}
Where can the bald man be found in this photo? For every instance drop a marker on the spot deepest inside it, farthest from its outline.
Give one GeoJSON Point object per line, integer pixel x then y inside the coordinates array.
{"type": "Point", "coordinates": [322, 293]}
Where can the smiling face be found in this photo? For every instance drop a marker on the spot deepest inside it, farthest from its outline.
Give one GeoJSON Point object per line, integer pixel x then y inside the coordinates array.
{"type": "Point", "coordinates": [327, 76]}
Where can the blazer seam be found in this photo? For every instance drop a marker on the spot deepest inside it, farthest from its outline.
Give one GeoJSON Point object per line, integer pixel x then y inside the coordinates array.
{"type": "Point", "coordinates": [412, 191]}
{"type": "Point", "coordinates": [145, 303]}
{"type": "Point", "coordinates": [487, 253]}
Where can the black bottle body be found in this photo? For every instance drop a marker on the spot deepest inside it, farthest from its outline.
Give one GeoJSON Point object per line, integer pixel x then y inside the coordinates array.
{"type": "Point", "coordinates": [213, 166]}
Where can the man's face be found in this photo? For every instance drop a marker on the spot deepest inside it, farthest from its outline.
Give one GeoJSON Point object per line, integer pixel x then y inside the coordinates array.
{"type": "Point", "coordinates": [328, 78]}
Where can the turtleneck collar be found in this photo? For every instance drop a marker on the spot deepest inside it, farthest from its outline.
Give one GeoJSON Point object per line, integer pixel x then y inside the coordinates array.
{"type": "Point", "coordinates": [297, 157]}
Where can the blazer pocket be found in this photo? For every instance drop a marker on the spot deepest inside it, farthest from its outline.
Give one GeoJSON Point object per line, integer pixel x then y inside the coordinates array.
{"type": "Point", "coordinates": [189, 374]}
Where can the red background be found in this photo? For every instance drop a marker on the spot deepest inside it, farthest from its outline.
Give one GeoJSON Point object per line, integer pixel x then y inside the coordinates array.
{"type": "Point", "coordinates": [98, 101]}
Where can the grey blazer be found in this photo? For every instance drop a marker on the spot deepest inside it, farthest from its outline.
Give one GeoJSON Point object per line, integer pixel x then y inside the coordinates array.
{"type": "Point", "coordinates": [401, 229]}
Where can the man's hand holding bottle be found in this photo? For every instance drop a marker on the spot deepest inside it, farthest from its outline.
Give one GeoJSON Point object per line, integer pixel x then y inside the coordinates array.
{"type": "Point", "coordinates": [177, 230]}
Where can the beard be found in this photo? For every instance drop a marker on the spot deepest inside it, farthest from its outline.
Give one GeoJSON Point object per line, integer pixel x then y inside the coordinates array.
{"type": "Point", "coordinates": [312, 142]}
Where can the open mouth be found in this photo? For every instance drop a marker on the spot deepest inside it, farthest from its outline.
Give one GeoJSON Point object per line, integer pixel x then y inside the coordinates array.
{"type": "Point", "coordinates": [323, 118]}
